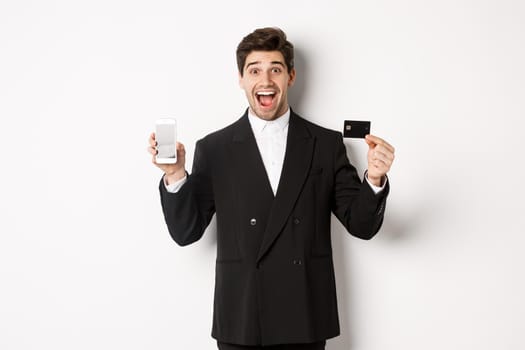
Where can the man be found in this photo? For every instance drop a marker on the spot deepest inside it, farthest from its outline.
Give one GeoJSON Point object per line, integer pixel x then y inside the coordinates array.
{"type": "Point", "coordinates": [273, 179]}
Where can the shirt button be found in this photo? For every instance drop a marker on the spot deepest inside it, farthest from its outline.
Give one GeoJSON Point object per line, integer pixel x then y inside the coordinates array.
{"type": "Point", "coordinates": [253, 222]}
{"type": "Point", "coordinates": [296, 221]}
{"type": "Point", "coordinates": [297, 262]}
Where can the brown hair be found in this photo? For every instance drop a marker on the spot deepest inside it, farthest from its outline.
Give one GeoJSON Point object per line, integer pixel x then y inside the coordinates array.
{"type": "Point", "coordinates": [265, 39]}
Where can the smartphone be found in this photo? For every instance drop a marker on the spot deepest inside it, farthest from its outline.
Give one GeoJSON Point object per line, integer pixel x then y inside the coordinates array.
{"type": "Point", "coordinates": [166, 137]}
{"type": "Point", "coordinates": [356, 128]}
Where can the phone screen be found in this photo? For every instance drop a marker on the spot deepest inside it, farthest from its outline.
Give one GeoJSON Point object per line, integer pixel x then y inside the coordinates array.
{"type": "Point", "coordinates": [166, 141]}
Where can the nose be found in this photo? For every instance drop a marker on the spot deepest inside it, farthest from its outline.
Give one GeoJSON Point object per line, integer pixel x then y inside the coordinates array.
{"type": "Point", "coordinates": [266, 79]}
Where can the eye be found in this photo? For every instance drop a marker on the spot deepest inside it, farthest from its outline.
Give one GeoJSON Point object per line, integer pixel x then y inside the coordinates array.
{"type": "Point", "coordinates": [254, 71]}
{"type": "Point", "coordinates": [276, 70]}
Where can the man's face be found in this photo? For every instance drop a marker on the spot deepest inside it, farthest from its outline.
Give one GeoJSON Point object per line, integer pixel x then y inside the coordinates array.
{"type": "Point", "coordinates": [265, 81]}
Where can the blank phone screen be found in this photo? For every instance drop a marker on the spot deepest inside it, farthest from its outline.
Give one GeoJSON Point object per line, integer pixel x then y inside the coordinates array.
{"type": "Point", "coordinates": [165, 137]}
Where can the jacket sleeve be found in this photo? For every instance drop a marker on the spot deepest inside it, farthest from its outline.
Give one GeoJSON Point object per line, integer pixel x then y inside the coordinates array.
{"type": "Point", "coordinates": [355, 204]}
{"type": "Point", "coordinates": [189, 211]}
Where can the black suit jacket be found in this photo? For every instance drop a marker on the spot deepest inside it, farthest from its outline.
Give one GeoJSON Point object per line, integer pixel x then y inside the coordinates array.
{"type": "Point", "coordinates": [275, 279]}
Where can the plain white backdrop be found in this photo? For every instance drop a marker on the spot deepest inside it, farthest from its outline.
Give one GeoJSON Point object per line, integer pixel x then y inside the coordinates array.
{"type": "Point", "coordinates": [86, 261]}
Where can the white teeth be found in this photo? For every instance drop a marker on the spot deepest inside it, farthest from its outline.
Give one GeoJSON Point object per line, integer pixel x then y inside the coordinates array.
{"type": "Point", "coordinates": [266, 93]}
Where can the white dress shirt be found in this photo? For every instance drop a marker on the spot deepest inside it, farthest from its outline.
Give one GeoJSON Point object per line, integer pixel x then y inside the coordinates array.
{"type": "Point", "coordinates": [271, 139]}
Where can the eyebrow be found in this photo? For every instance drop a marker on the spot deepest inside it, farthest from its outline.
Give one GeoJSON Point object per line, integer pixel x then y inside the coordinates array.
{"type": "Point", "coordinates": [259, 62]}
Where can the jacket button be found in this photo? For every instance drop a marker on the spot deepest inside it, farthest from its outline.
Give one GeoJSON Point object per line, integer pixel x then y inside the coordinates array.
{"type": "Point", "coordinates": [297, 262]}
{"type": "Point", "coordinates": [253, 222]}
{"type": "Point", "coordinates": [296, 221]}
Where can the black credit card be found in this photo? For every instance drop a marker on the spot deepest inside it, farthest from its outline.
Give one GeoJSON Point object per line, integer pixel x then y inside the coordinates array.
{"type": "Point", "coordinates": [356, 128]}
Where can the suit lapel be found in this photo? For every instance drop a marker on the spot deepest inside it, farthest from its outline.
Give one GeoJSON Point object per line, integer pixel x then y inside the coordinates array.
{"type": "Point", "coordinates": [248, 163]}
{"type": "Point", "coordinates": [297, 161]}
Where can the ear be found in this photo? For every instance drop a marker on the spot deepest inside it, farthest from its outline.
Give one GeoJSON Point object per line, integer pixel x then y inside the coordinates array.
{"type": "Point", "coordinates": [291, 81]}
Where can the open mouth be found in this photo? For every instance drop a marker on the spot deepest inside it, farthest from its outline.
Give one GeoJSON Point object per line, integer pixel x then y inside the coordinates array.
{"type": "Point", "coordinates": [265, 98]}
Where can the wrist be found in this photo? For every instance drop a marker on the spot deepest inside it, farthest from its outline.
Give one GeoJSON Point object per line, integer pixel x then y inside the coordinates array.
{"type": "Point", "coordinates": [172, 177]}
{"type": "Point", "coordinates": [375, 180]}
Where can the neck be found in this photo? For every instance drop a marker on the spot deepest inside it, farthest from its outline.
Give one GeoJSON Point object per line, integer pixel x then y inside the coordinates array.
{"type": "Point", "coordinates": [276, 116]}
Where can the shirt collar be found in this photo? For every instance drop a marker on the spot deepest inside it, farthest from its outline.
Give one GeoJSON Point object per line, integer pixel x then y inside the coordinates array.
{"type": "Point", "coordinates": [259, 124]}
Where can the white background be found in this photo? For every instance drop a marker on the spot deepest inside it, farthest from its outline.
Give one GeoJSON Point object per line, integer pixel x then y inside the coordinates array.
{"type": "Point", "coordinates": [86, 261]}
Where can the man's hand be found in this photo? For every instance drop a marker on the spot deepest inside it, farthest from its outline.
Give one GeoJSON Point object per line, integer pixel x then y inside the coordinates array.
{"type": "Point", "coordinates": [173, 172]}
{"type": "Point", "coordinates": [380, 158]}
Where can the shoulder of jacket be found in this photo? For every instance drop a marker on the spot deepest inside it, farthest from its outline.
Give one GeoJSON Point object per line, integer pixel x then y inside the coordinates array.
{"type": "Point", "coordinates": [220, 135]}
{"type": "Point", "coordinates": [318, 130]}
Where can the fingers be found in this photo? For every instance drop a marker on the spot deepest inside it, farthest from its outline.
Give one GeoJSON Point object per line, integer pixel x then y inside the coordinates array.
{"type": "Point", "coordinates": [386, 158]}
{"type": "Point", "coordinates": [152, 150]}
{"type": "Point", "coordinates": [383, 153]}
{"type": "Point", "coordinates": [380, 162]}
{"type": "Point", "coordinates": [152, 144]}
{"type": "Point", "coordinates": [380, 150]}
{"type": "Point", "coordinates": [152, 141]}
{"type": "Point", "coordinates": [380, 156]}
{"type": "Point", "coordinates": [372, 140]}
{"type": "Point", "coordinates": [167, 168]}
